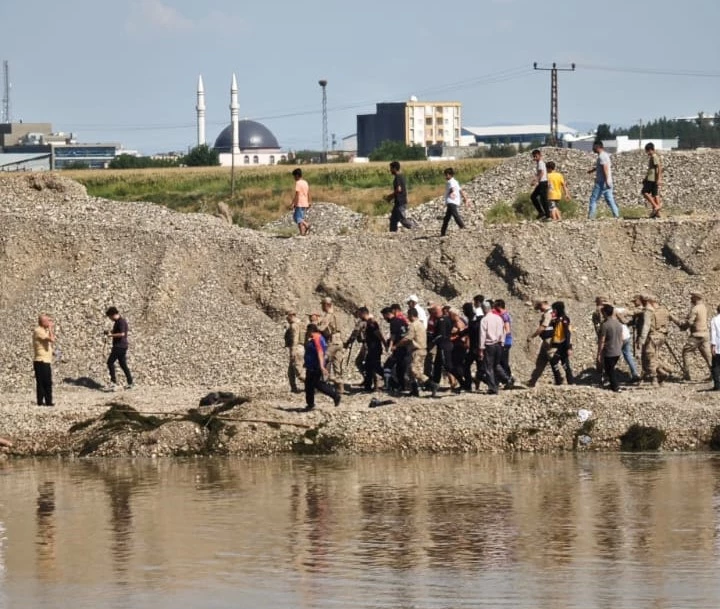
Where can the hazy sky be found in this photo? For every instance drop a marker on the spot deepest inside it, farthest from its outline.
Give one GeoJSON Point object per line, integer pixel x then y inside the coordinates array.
{"type": "Point", "coordinates": [126, 70]}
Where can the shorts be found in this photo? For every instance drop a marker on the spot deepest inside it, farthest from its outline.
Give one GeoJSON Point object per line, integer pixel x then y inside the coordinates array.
{"type": "Point", "coordinates": [299, 214]}
{"type": "Point", "coordinates": [553, 204]}
{"type": "Point", "coordinates": [649, 188]}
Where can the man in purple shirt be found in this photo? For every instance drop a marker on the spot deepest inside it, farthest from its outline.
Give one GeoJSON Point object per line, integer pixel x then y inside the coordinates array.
{"type": "Point", "coordinates": [118, 353]}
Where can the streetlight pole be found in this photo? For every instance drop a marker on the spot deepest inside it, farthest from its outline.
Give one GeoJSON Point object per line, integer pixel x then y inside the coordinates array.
{"type": "Point", "coordinates": [323, 83]}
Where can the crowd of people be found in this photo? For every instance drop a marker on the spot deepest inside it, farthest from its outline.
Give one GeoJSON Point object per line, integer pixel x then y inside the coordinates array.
{"type": "Point", "coordinates": [416, 349]}
{"type": "Point", "coordinates": [549, 189]}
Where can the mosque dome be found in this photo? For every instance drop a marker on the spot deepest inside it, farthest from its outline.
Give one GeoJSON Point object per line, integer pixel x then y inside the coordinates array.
{"type": "Point", "coordinates": [252, 135]}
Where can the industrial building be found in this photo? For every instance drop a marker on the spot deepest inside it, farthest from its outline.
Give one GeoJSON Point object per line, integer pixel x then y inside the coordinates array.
{"type": "Point", "coordinates": [516, 135]}
{"type": "Point", "coordinates": [34, 147]}
{"type": "Point", "coordinates": [423, 123]}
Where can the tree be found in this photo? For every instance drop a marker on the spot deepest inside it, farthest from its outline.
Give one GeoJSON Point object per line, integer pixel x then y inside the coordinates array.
{"type": "Point", "coordinates": [603, 132]}
{"type": "Point", "coordinates": [202, 156]}
{"type": "Point", "coordinates": [398, 151]}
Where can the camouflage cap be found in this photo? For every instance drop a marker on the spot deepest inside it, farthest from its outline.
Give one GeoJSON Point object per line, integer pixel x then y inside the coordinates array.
{"type": "Point", "coordinates": [602, 300]}
{"type": "Point", "coordinates": [326, 300]}
{"type": "Point", "coordinates": [648, 298]}
{"type": "Point", "coordinates": [696, 294]}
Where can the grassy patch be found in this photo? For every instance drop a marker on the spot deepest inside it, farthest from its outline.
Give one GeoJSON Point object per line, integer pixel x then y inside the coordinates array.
{"type": "Point", "coordinates": [522, 208]}
{"type": "Point", "coordinates": [263, 194]}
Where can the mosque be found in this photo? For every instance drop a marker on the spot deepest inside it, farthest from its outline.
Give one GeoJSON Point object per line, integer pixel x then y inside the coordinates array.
{"type": "Point", "coordinates": [249, 142]}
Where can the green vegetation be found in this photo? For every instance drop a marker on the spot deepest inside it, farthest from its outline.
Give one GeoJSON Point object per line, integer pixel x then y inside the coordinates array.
{"type": "Point", "coordinates": [702, 131]}
{"type": "Point", "coordinates": [522, 209]}
{"type": "Point", "coordinates": [397, 151]}
{"type": "Point", "coordinates": [130, 161]}
{"type": "Point", "coordinates": [263, 194]}
{"type": "Point", "coordinates": [641, 438]}
{"type": "Point", "coordinates": [202, 156]}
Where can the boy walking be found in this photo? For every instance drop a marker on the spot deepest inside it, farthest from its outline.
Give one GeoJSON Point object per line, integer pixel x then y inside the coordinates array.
{"type": "Point", "coordinates": [301, 202]}
{"type": "Point", "coordinates": [118, 353]}
{"type": "Point", "coordinates": [651, 183]}
{"type": "Point", "coordinates": [557, 190]}
{"type": "Point", "coordinates": [43, 339]}
{"type": "Point", "coordinates": [539, 196]}
{"type": "Point", "coordinates": [453, 196]}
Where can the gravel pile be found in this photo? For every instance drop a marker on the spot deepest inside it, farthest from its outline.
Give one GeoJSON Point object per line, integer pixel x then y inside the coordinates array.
{"type": "Point", "coordinates": [206, 301]}
{"type": "Point", "coordinates": [325, 218]}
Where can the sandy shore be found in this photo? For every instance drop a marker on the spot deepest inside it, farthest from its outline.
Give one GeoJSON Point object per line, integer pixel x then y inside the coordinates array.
{"type": "Point", "coordinates": [543, 419]}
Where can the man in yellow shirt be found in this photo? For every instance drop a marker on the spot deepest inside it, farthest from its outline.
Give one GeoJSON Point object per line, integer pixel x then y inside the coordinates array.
{"type": "Point", "coordinates": [557, 190]}
{"type": "Point", "coordinates": [43, 339]}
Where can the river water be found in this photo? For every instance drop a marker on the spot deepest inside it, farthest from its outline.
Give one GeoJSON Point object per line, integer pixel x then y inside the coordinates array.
{"type": "Point", "coordinates": [575, 531]}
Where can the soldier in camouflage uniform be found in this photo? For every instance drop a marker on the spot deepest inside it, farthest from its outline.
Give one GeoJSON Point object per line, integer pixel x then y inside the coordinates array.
{"type": "Point", "coordinates": [653, 337]}
{"type": "Point", "coordinates": [295, 343]}
{"type": "Point", "coordinates": [358, 336]}
{"type": "Point", "coordinates": [330, 329]}
{"type": "Point", "coordinates": [699, 340]}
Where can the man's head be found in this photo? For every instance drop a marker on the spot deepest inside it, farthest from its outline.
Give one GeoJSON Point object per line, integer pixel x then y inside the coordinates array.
{"type": "Point", "coordinates": [478, 299]}
{"type": "Point", "coordinates": [499, 304]}
{"type": "Point", "coordinates": [326, 303]}
{"type": "Point", "coordinates": [607, 310]}
{"type": "Point", "coordinates": [695, 297]}
{"type": "Point", "coordinates": [601, 300]}
{"type": "Point", "coordinates": [363, 313]}
{"type": "Point", "coordinates": [44, 320]}
{"type": "Point", "coordinates": [394, 167]}
{"type": "Point", "coordinates": [550, 166]}
{"type": "Point", "coordinates": [412, 300]}
{"type": "Point", "coordinates": [112, 313]}
{"type": "Point", "coordinates": [638, 300]}
{"type": "Point", "coordinates": [395, 308]}
{"type": "Point", "coordinates": [312, 329]}
{"type": "Point", "coordinates": [536, 154]}
{"type": "Point", "coordinates": [291, 316]}
{"type": "Point", "coordinates": [649, 147]}
{"type": "Point", "coordinates": [387, 313]}
{"type": "Point", "coordinates": [541, 304]}
{"type": "Point", "coordinates": [313, 318]}
{"type": "Point", "coordinates": [598, 146]}
{"type": "Point", "coordinates": [468, 310]}
{"type": "Point", "coordinates": [435, 311]}
{"type": "Point", "coordinates": [297, 173]}
{"type": "Point", "coordinates": [412, 313]}
{"type": "Point", "coordinates": [449, 173]}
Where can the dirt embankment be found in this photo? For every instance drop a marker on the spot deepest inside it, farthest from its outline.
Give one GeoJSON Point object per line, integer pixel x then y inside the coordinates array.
{"type": "Point", "coordinates": [206, 301]}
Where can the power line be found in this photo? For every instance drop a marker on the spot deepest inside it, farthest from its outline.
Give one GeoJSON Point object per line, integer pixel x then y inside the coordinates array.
{"type": "Point", "coordinates": [554, 121]}
{"type": "Point", "coordinates": [650, 71]}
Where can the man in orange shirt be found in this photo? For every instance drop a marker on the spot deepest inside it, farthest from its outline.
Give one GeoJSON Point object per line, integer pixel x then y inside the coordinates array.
{"type": "Point", "coordinates": [301, 202]}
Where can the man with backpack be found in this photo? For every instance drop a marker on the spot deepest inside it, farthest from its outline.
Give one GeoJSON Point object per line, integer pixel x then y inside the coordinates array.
{"type": "Point", "coordinates": [315, 368]}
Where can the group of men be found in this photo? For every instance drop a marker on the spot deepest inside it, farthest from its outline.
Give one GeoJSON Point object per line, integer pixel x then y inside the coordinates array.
{"type": "Point", "coordinates": [44, 341]}
{"type": "Point", "coordinates": [551, 188]}
{"type": "Point", "coordinates": [415, 350]}
{"type": "Point", "coordinates": [418, 348]}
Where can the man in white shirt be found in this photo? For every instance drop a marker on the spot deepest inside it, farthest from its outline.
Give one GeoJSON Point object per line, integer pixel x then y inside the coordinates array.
{"type": "Point", "coordinates": [492, 339]}
{"type": "Point", "coordinates": [715, 345]}
{"type": "Point", "coordinates": [413, 302]}
{"type": "Point", "coordinates": [539, 195]}
{"type": "Point", "coordinates": [453, 196]}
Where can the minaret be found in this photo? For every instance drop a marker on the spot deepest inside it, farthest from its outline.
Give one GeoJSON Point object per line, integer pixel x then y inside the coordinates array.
{"type": "Point", "coordinates": [234, 112]}
{"type": "Point", "coordinates": [200, 112]}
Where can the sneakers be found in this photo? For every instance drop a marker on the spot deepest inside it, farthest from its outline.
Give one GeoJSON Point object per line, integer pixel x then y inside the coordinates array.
{"type": "Point", "coordinates": [110, 387]}
{"type": "Point", "coordinates": [336, 399]}
{"type": "Point", "coordinates": [130, 386]}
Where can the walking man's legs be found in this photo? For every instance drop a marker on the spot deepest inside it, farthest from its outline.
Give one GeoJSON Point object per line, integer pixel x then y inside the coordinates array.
{"type": "Point", "coordinates": [610, 363]}
{"type": "Point", "coordinates": [629, 359]}
{"type": "Point", "coordinates": [610, 200]}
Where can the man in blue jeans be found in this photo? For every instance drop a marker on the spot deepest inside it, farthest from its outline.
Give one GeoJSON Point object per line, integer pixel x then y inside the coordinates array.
{"type": "Point", "coordinates": [603, 182]}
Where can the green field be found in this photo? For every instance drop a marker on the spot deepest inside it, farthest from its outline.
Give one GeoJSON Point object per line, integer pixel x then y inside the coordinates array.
{"type": "Point", "coordinates": [263, 194]}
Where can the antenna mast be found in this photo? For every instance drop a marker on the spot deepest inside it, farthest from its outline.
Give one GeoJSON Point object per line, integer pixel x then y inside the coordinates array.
{"type": "Point", "coordinates": [5, 117]}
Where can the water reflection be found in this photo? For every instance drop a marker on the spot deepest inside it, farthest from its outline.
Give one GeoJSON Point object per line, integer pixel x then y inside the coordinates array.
{"type": "Point", "coordinates": [431, 532]}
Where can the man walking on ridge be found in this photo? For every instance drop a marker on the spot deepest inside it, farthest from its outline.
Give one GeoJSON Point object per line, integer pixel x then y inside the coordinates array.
{"type": "Point", "coordinates": [453, 196]}
{"type": "Point", "coordinates": [399, 198]}
{"type": "Point", "coordinates": [539, 196]}
{"type": "Point", "coordinates": [301, 202]}
{"type": "Point", "coordinates": [603, 182]}
{"type": "Point", "coordinates": [651, 183]}
{"type": "Point", "coordinates": [118, 353]}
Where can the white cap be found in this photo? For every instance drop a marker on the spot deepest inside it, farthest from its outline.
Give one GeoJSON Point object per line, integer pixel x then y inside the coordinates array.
{"type": "Point", "coordinates": [412, 298]}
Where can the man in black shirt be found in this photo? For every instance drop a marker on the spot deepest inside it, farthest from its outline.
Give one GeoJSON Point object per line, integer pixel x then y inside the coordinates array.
{"type": "Point", "coordinates": [399, 198]}
{"type": "Point", "coordinates": [118, 353]}
{"type": "Point", "coordinates": [374, 343]}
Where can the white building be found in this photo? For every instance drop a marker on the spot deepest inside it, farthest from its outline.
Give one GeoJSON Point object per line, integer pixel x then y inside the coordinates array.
{"type": "Point", "coordinates": [517, 135]}
{"type": "Point", "coordinates": [242, 142]}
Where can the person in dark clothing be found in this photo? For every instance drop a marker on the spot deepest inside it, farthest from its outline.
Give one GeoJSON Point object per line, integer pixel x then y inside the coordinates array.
{"type": "Point", "coordinates": [316, 370]}
{"type": "Point", "coordinates": [396, 365]}
{"type": "Point", "coordinates": [539, 196]}
{"type": "Point", "coordinates": [442, 331]}
{"type": "Point", "coordinates": [118, 352]}
{"type": "Point", "coordinates": [472, 356]}
{"type": "Point", "coordinates": [43, 341]}
{"type": "Point", "coordinates": [399, 199]}
{"type": "Point", "coordinates": [562, 344]}
{"type": "Point", "coordinates": [374, 343]}
{"type": "Point", "coordinates": [610, 343]}
{"type": "Point", "coordinates": [499, 305]}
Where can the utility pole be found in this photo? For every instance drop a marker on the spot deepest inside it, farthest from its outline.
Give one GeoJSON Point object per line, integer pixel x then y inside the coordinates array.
{"type": "Point", "coordinates": [554, 122]}
{"type": "Point", "coordinates": [5, 116]}
{"type": "Point", "coordinates": [640, 136]}
{"type": "Point", "coordinates": [323, 83]}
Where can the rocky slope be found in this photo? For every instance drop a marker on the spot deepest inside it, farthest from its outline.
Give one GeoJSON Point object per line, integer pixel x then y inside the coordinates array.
{"type": "Point", "coordinates": [206, 301]}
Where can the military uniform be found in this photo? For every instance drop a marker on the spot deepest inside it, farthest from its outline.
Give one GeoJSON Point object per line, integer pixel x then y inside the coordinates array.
{"type": "Point", "coordinates": [653, 338]}
{"type": "Point", "coordinates": [295, 343]}
{"type": "Point", "coordinates": [358, 336]}
{"type": "Point", "coordinates": [699, 339]}
{"type": "Point", "coordinates": [329, 328]}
